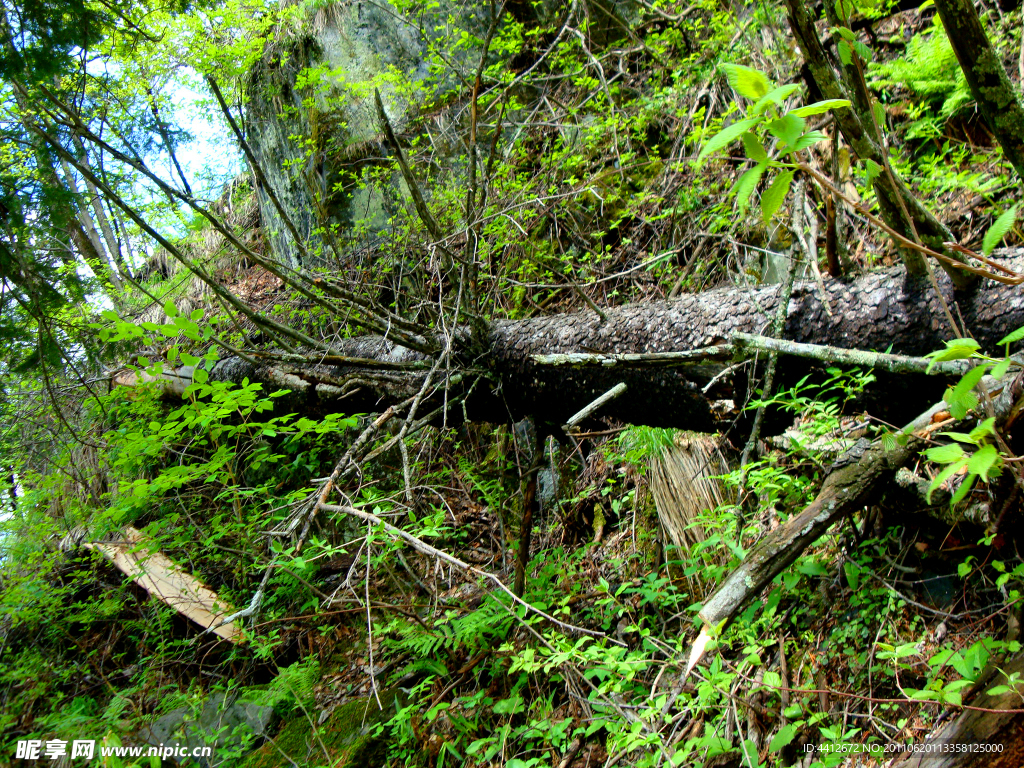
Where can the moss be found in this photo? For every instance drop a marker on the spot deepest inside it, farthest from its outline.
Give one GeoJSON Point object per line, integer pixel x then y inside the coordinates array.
{"type": "Point", "coordinates": [347, 736]}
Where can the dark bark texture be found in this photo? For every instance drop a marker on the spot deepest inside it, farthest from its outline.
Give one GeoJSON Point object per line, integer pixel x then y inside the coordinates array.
{"type": "Point", "coordinates": [879, 311]}
{"type": "Point", "coordinates": [986, 76]}
{"type": "Point", "coordinates": [970, 740]}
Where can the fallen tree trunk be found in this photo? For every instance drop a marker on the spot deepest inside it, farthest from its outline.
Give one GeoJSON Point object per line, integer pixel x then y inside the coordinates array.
{"type": "Point", "coordinates": [512, 375]}
{"type": "Point", "coordinates": [989, 735]}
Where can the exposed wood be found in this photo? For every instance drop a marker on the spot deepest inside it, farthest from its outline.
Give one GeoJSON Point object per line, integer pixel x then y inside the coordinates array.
{"type": "Point", "coordinates": [164, 580]}
{"type": "Point", "coordinates": [978, 739]}
{"type": "Point", "coordinates": [594, 407]}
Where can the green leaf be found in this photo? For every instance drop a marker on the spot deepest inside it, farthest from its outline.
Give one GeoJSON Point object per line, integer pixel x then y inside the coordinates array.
{"type": "Point", "coordinates": [776, 97]}
{"type": "Point", "coordinates": [812, 567]}
{"type": "Point", "coordinates": [746, 81]}
{"type": "Point", "coordinates": [999, 229]}
{"type": "Point", "coordinates": [845, 52]}
{"type": "Point", "coordinates": [785, 735]}
{"type": "Point", "coordinates": [960, 404]}
{"type": "Point", "coordinates": [774, 196]}
{"type": "Point", "coordinates": [793, 711]}
{"type": "Point", "coordinates": [852, 574]}
{"type": "Point", "coordinates": [1015, 336]}
{"type": "Point", "coordinates": [787, 129]}
{"type": "Point", "coordinates": [872, 171]}
{"type": "Point", "coordinates": [169, 309]}
{"type": "Point", "coordinates": [200, 376]}
{"type": "Point", "coordinates": [819, 107]}
{"type": "Point", "coordinates": [999, 369]}
{"type": "Point", "coordinates": [726, 136]}
{"type": "Point", "coordinates": [945, 454]}
{"type": "Point", "coordinates": [962, 491]}
{"type": "Point", "coordinates": [983, 430]}
{"type": "Point", "coordinates": [196, 315]}
{"type": "Point", "coordinates": [752, 146]}
{"type": "Point", "coordinates": [961, 398]}
{"type": "Point", "coordinates": [111, 315]}
{"type": "Point", "coordinates": [942, 477]}
{"type": "Point", "coordinates": [879, 112]}
{"type": "Point", "coordinates": [809, 139]}
{"type": "Point", "coordinates": [956, 349]}
{"type": "Point", "coordinates": [745, 186]}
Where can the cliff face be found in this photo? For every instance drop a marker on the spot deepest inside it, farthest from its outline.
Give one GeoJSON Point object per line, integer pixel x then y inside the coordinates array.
{"type": "Point", "coordinates": [311, 119]}
{"type": "Point", "coordinates": [312, 123]}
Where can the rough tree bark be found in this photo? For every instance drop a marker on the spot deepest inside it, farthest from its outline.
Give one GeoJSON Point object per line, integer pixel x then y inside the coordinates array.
{"type": "Point", "coordinates": [968, 741]}
{"type": "Point", "coordinates": [986, 76]}
{"type": "Point", "coordinates": [895, 200]}
{"type": "Point", "coordinates": [504, 380]}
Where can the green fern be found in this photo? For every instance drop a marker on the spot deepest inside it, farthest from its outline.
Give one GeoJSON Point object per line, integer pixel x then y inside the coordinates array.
{"type": "Point", "coordinates": [471, 632]}
{"type": "Point", "coordinates": [292, 687]}
{"type": "Point", "coordinates": [929, 69]}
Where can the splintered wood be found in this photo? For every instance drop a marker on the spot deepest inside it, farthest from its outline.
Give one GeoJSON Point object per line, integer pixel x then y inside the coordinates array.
{"type": "Point", "coordinates": [159, 576]}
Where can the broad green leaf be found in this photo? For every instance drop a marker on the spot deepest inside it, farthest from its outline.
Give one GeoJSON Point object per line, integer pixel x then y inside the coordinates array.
{"type": "Point", "coordinates": [200, 376]}
{"type": "Point", "coordinates": [999, 229]}
{"type": "Point", "coordinates": [944, 454]}
{"type": "Point", "coordinates": [787, 128]}
{"type": "Point", "coordinates": [745, 186]}
{"type": "Point", "coordinates": [187, 359]}
{"type": "Point", "coordinates": [1015, 336]}
{"type": "Point", "coordinates": [746, 81]}
{"type": "Point", "coordinates": [726, 136]}
{"type": "Point", "coordinates": [957, 349]}
{"type": "Point", "coordinates": [845, 52]}
{"type": "Point", "coordinates": [983, 461]}
{"type": "Point", "coordinates": [196, 315]}
{"type": "Point", "coordinates": [776, 96]}
{"type": "Point", "coordinates": [776, 193]}
{"type": "Point", "coordinates": [907, 649]}
{"type": "Point", "coordinates": [109, 314]}
{"type": "Point", "coordinates": [879, 112]}
{"type": "Point", "coordinates": [785, 735]}
{"type": "Point", "coordinates": [819, 107]}
{"type": "Point", "coordinates": [872, 171]}
{"type": "Point", "coordinates": [752, 146]}
{"type": "Point", "coordinates": [983, 430]}
{"type": "Point", "coordinates": [964, 488]}
{"type": "Point", "coordinates": [999, 369]}
{"type": "Point", "coordinates": [852, 574]}
{"type": "Point", "coordinates": [169, 309]}
{"type": "Point", "coordinates": [812, 567]}
{"type": "Point", "coordinates": [961, 398]}
{"type": "Point", "coordinates": [942, 477]}
{"type": "Point", "coordinates": [960, 403]}
{"type": "Point", "coordinates": [809, 139]}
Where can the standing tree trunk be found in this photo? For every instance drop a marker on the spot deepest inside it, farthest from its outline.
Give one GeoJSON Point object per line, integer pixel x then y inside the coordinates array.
{"type": "Point", "coordinates": [986, 76]}
{"type": "Point", "coordinates": [857, 126]}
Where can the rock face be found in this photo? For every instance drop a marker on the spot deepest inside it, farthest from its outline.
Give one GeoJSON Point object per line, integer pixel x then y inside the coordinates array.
{"type": "Point", "coordinates": [312, 124]}
{"type": "Point", "coordinates": [311, 120]}
{"type": "Point", "coordinates": [223, 724]}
